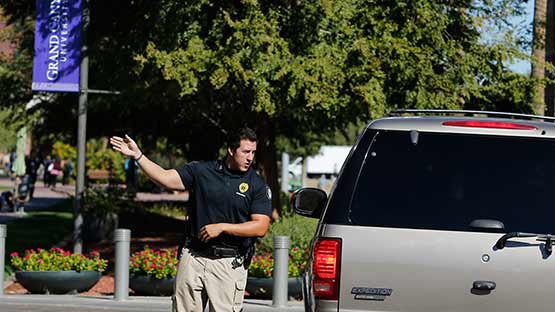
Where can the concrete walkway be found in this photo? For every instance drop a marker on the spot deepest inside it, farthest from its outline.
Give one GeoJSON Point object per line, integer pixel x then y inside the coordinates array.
{"type": "Point", "coordinates": [45, 197]}
{"type": "Point", "coordinates": [67, 303]}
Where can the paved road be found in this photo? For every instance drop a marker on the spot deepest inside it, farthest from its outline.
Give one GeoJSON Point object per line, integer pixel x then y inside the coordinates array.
{"type": "Point", "coordinates": [66, 303]}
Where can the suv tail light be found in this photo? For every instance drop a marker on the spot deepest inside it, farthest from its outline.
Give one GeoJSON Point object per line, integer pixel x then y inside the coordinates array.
{"type": "Point", "coordinates": [326, 268]}
{"type": "Point", "coordinates": [489, 124]}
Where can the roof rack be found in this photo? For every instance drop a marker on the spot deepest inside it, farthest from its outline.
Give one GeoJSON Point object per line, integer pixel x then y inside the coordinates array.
{"type": "Point", "coordinates": [399, 112]}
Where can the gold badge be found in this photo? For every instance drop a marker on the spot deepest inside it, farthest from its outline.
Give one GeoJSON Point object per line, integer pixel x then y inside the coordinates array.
{"type": "Point", "coordinates": [243, 187]}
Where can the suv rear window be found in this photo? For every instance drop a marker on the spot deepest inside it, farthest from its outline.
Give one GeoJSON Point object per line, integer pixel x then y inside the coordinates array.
{"type": "Point", "coordinates": [447, 180]}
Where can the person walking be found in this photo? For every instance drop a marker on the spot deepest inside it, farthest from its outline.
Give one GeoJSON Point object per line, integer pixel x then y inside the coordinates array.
{"type": "Point", "coordinates": [54, 170]}
{"type": "Point", "coordinates": [47, 167]}
{"type": "Point", "coordinates": [231, 206]}
{"type": "Point", "coordinates": [131, 169]}
{"type": "Point", "coordinates": [67, 171]}
{"type": "Point", "coordinates": [32, 164]}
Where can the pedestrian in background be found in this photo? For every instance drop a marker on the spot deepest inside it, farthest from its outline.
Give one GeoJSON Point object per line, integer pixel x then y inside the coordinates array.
{"type": "Point", "coordinates": [67, 171]}
{"type": "Point", "coordinates": [54, 170]}
{"type": "Point", "coordinates": [47, 168]}
{"type": "Point", "coordinates": [131, 168]}
{"type": "Point", "coordinates": [231, 205]}
{"type": "Point", "coordinates": [32, 163]}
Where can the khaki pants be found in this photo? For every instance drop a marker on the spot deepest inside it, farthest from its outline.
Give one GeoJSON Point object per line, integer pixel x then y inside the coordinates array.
{"type": "Point", "coordinates": [200, 280]}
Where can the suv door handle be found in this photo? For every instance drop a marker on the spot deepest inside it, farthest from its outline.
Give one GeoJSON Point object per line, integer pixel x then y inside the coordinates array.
{"type": "Point", "coordinates": [483, 285]}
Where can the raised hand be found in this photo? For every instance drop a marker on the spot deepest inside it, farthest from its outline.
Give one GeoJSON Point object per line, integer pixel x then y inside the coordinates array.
{"type": "Point", "coordinates": [126, 146]}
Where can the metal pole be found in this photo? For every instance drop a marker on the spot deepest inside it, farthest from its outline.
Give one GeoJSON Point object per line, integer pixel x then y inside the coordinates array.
{"type": "Point", "coordinates": [81, 132]}
{"type": "Point", "coordinates": [304, 177]}
{"type": "Point", "coordinates": [281, 259]}
{"type": "Point", "coordinates": [122, 237]}
{"type": "Point", "coordinates": [3, 232]}
{"type": "Point", "coordinates": [285, 172]}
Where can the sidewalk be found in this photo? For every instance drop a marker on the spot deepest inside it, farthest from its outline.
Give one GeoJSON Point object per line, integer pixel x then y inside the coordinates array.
{"type": "Point", "coordinates": [67, 303]}
{"type": "Point", "coordinates": [45, 197]}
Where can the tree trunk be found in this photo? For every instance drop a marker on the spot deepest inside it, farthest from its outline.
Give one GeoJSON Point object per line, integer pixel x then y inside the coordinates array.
{"type": "Point", "coordinates": [538, 53]}
{"type": "Point", "coordinates": [266, 158]}
{"type": "Point", "coordinates": [550, 57]}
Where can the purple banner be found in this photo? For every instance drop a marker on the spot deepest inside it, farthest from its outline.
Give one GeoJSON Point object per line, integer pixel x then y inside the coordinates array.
{"type": "Point", "coordinates": [57, 46]}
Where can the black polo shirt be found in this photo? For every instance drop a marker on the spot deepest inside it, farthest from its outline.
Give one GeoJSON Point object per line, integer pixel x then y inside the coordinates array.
{"type": "Point", "coordinates": [219, 195]}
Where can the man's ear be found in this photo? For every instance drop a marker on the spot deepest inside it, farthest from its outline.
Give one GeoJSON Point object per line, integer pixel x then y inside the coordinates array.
{"type": "Point", "coordinates": [229, 152]}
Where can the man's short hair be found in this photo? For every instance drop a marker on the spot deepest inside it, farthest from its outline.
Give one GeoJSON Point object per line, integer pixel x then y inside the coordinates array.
{"type": "Point", "coordinates": [234, 139]}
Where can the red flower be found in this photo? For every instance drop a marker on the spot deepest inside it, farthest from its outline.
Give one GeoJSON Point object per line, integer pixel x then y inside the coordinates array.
{"type": "Point", "coordinates": [14, 254]}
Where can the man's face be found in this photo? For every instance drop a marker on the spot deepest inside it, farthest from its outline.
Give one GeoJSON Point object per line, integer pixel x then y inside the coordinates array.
{"type": "Point", "coordinates": [241, 159]}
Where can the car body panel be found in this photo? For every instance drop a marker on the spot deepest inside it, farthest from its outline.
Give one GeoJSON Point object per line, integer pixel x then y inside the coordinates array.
{"type": "Point", "coordinates": [435, 270]}
{"type": "Point", "coordinates": [430, 269]}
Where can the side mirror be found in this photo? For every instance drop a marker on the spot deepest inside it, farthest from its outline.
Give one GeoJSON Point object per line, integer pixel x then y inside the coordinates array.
{"type": "Point", "coordinates": [487, 225]}
{"type": "Point", "coordinates": [309, 202]}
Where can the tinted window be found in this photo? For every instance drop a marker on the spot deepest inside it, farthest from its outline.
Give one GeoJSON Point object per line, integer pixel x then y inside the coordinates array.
{"type": "Point", "coordinates": [338, 206]}
{"type": "Point", "coordinates": [447, 180]}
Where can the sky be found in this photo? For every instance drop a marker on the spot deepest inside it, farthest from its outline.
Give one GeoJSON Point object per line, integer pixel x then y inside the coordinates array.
{"type": "Point", "coordinates": [523, 67]}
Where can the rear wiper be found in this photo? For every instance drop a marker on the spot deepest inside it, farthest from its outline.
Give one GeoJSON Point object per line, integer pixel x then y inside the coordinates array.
{"type": "Point", "coordinates": [548, 243]}
{"type": "Point", "coordinates": [547, 238]}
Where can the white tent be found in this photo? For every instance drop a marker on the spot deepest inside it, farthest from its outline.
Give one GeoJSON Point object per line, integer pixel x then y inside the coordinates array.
{"type": "Point", "coordinates": [329, 160]}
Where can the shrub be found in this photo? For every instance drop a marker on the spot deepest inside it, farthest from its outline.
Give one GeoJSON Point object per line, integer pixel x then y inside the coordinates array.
{"type": "Point", "coordinates": [300, 231]}
{"type": "Point", "coordinates": [156, 263]}
{"type": "Point", "coordinates": [102, 201]}
{"type": "Point", "coordinates": [57, 259]}
{"type": "Point", "coordinates": [101, 156]}
{"type": "Point", "coordinates": [64, 151]}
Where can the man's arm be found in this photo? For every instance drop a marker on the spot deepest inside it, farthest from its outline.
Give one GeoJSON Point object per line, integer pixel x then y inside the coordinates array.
{"type": "Point", "coordinates": [256, 227]}
{"type": "Point", "coordinates": [168, 178]}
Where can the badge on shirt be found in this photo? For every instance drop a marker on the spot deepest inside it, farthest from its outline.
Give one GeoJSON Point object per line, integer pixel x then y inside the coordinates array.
{"type": "Point", "coordinates": [268, 192]}
{"type": "Point", "coordinates": [243, 187]}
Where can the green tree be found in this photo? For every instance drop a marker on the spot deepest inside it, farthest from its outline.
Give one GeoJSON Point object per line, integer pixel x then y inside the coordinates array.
{"type": "Point", "coordinates": [304, 69]}
{"type": "Point", "coordinates": [296, 71]}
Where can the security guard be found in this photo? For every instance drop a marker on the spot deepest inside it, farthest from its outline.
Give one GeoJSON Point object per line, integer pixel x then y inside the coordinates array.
{"type": "Point", "coordinates": [231, 206]}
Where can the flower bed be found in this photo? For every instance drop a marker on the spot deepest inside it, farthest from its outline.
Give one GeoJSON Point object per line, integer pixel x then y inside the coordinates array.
{"type": "Point", "coordinates": [57, 259]}
{"type": "Point", "coordinates": [260, 282]}
{"type": "Point", "coordinates": [152, 272]}
{"type": "Point", "coordinates": [57, 271]}
{"type": "Point", "coordinates": [155, 263]}
{"type": "Point", "coordinates": [262, 265]}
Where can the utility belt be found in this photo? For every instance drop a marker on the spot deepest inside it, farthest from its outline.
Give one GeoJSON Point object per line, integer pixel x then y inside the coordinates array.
{"type": "Point", "coordinates": [219, 252]}
{"type": "Point", "coordinates": [243, 256]}
{"type": "Point", "coordinates": [214, 251]}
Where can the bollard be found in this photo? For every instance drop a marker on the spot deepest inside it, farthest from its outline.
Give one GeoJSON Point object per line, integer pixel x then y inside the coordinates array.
{"type": "Point", "coordinates": [122, 238]}
{"type": "Point", "coordinates": [281, 259]}
{"type": "Point", "coordinates": [3, 232]}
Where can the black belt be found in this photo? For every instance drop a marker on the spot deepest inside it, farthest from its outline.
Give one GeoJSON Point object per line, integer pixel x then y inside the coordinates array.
{"type": "Point", "coordinates": [218, 252]}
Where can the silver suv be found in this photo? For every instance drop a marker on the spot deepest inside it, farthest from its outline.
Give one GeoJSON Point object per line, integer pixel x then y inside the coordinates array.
{"type": "Point", "coordinates": [451, 212]}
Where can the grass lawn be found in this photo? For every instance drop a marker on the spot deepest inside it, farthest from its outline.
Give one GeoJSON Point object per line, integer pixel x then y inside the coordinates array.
{"type": "Point", "coordinates": [5, 188]}
{"type": "Point", "coordinates": [39, 229]}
